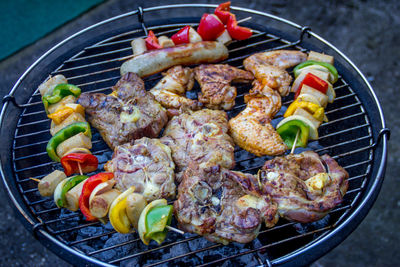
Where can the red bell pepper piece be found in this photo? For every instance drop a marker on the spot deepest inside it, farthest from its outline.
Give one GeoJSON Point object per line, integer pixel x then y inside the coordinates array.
{"type": "Point", "coordinates": [237, 32]}
{"type": "Point", "coordinates": [88, 163]}
{"type": "Point", "coordinates": [210, 27]}
{"type": "Point", "coordinates": [314, 82]}
{"type": "Point", "coordinates": [152, 41]}
{"type": "Point", "coordinates": [222, 12]}
{"type": "Point", "coordinates": [87, 189]}
{"type": "Point", "coordinates": [181, 37]}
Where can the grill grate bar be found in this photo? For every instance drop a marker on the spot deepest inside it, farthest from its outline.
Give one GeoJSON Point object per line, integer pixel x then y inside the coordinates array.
{"type": "Point", "coordinates": [91, 238]}
{"type": "Point", "coordinates": [343, 143]}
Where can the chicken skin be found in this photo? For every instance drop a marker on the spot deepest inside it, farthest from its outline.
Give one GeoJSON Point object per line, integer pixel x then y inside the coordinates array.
{"type": "Point", "coordinates": [269, 68]}
{"type": "Point", "coordinates": [170, 90]}
{"type": "Point", "coordinates": [215, 79]}
{"type": "Point", "coordinates": [251, 129]}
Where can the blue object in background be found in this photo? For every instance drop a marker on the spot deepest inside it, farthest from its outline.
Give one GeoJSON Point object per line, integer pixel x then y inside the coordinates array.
{"type": "Point", "coordinates": [22, 22]}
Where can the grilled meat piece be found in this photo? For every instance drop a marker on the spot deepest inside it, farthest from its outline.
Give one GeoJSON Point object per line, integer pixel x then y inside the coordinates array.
{"type": "Point", "coordinates": [200, 137]}
{"type": "Point", "coordinates": [304, 186]}
{"type": "Point", "coordinates": [251, 128]}
{"type": "Point", "coordinates": [147, 165]}
{"type": "Point", "coordinates": [128, 113]}
{"type": "Point", "coordinates": [170, 90]}
{"type": "Point", "coordinates": [222, 205]}
{"type": "Point", "coordinates": [214, 80]}
{"type": "Point", "coordinates": [269, 68]}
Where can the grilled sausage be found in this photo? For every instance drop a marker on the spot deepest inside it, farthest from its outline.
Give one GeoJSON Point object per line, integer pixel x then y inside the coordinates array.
{"type": "Point", "coordinates": [158, 60]}
{"type": "Point", "coordinates": [49, 183]}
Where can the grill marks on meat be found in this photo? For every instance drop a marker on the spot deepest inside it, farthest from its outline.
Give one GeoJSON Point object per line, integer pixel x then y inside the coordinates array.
{"type": "Point", "coordinates": [128, 113]}
{"type": "Point", "coordinates": [199, 137]}
{"type": "Point", "coordinates": [304, 186]}
{"type": "Point", "coordinates": [215, 79]}
{"type": "Point", "coordinates": [269, 68]}
{"type": "Point", "coordinates": [222, 205]}
{"type": "Point", "coordinates": [251, 128]}
{"type": "Point", "coordinates": [147, 165]}
{"type": "Point", "coordinates": [170, 90]}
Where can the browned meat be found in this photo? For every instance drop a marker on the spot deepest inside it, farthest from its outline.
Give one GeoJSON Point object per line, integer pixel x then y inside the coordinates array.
{"type": "Point", "coordinates": [304, 186]}
{"type": "Point", "coordinates": [269, 68]}
{"type": "Point", "coordinates": [215, 79]}
{"type": "Point", "coordinates": [251, 128]}
{"type": "Point", "coordinates": [170, 90]}
{"type": "Point", "coordinates": [147, 165]}
{"type": "Point", "coordinates": [128, 113]}
{"type": "Point", "coordinates": [222, 205]}
{"type": "Point", "coordinates": [200, 137]}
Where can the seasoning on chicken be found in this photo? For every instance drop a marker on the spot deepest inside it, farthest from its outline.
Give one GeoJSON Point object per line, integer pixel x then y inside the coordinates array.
{"type": "Point", "coordinates": [269, 68]}
{"type": "Point", "coordinates": [215, 80]}
{"type": "Point", "coordinates": [304, 186]}
{"type": "Point", "coordinates": [200, 137]}
{"type": "Point", "coordinates": [147, 165]}
{"type": "Point", "coordinates": [222, 205]}
{"type": "Point", "coordinates": [128, 113]}
{"type": "Point", "coordinates": [251, 128]}
{"type": "Point", "coordinates": [170, 90]}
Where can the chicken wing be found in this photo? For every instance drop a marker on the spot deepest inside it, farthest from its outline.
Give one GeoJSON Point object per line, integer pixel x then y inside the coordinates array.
{"type": "Point", "coordinates": [251, 128]}
{"type": "Point", "coordinates": [269, 68]}
{"type": "Point", "coordinates": [214, 80]}
{"type": "Point", "coordinates": [170, 90]}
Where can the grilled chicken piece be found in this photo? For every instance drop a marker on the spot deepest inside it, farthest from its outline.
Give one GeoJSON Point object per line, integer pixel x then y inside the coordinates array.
{"type": "Point", "coordinates": [269, 68]}
{"type": "Point", "coordinates": [128, 113]}
{"type": "Point", "coordinates": [251, 128]}
{"type": "Point", "coordinates": [170, 90]}
{"type": "Point", "coordinates": [304, 186]}
{"type": "Point", "coordinates": [222, 205]}
{"type": "Point", "coordinates": [214, 80]}
{"type": "Point", "coordinates": [147, 165]}
{"type": "Point", "coordinates": [200, 137]}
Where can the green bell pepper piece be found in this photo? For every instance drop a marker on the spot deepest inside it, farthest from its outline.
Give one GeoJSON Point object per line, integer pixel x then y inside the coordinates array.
{"type": "Point", "coordinates": [71, 183]}
{"type": "Point", "coordinates": [330, 67]}
{"type": "Point", "coordinates": [59, 92]}
{"type": "Point", "coordinates": [64, 134]}
{"type": "Point", "coordinates": [289, 130]}
{"type": "Point", "coordinates": [156, 221]}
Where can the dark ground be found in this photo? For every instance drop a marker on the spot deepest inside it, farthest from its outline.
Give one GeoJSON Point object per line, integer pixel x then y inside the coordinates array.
{"type": "Point", "coordinates": [367, 31]}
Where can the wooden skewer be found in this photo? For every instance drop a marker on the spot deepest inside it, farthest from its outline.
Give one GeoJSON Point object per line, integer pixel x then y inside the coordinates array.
{"type": "Point", "coordinates": [34, 179]}
{"type": "Point", "coordinates": [295, 141]}
{"type": "Point", "coordinates": [243, 20]}
{"type": "Point", "coordinates": [80, 169]}
{"type": "Point", "coordinates": [175, 230]}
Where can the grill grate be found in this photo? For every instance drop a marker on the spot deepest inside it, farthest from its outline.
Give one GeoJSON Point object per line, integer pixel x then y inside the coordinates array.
{"type": "Point", "coordinates": [347, 137]}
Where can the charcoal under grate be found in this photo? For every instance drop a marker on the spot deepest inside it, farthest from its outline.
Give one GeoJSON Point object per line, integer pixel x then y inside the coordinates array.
{"type": "Point", "coordinates": [94, 66]}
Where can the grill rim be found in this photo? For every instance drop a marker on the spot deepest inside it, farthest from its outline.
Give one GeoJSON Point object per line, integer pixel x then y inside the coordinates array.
{"type": "Point", "coordinates": [325, 243]}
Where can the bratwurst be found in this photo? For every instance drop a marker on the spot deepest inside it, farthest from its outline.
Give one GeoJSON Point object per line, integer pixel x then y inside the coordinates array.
{"type": "Point", "coordinates": [158, 60]}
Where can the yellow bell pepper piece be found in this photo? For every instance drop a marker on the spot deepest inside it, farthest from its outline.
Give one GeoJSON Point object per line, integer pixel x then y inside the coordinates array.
{"type": "Point", "coordinates": [316, 110]}
{"type": "Point", "coordinates": [60, 115]}
{"type": "Point", "coordinates": [117, 215]}
{"type": "Point", "coordinates": [78, 108]}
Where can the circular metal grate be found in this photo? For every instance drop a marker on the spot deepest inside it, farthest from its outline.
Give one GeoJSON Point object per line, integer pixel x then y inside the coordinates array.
{"type": "Point", "coordinates": [91, 60]}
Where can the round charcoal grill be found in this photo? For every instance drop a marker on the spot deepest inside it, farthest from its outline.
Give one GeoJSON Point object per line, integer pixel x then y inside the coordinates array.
{"type": "Point", "coordinates": [355, 136]}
